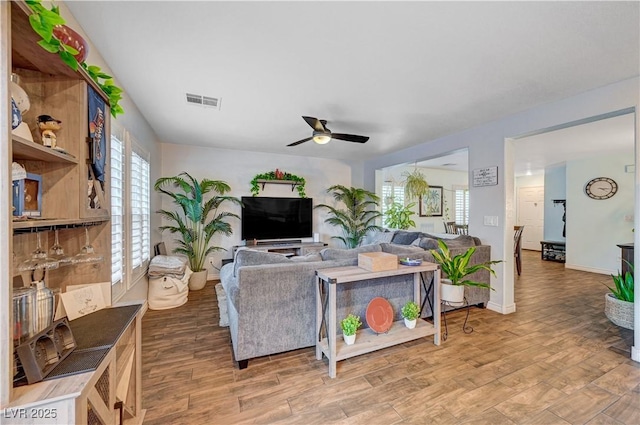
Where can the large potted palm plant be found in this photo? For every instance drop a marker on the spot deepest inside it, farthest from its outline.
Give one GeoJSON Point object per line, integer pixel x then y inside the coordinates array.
{"type": "Point", "coordinates": [358, 216]}
{"type": "Point", "coordinates": [197, 220]}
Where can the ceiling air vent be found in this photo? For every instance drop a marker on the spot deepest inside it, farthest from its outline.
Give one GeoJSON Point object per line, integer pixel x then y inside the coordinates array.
{"type": "Point", "coordinates": [198, 99]}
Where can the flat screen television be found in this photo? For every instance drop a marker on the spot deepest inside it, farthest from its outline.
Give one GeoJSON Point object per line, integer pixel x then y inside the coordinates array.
{"type": "Point", "coordinates": [276, 218]}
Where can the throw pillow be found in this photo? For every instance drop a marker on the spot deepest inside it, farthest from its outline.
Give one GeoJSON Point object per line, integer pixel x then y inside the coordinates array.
{"type": "Point", "coordinates": [329, 254]}
{"type": "Point", "coordinates": [427, 243]}
{"type": "Point", "coordinates": [462, 241]}
{"type": "Point", "coordinates": [401, 249]}
{"type": "Point", "coordinates": [404, 238]}
{"type": "Point", "coordinates": [250, 257]}
{"type": "Point", "coordinates": [380, 237]}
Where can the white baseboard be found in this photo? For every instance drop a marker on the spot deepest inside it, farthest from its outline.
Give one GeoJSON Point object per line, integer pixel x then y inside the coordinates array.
{"type": "Point", "coordinates": [499, 308]}
{"type": "Point", "coordinates": [588, 269]}
{"type": "Point", "coordinates": [635, 353]}
{"type": "Point", "coordinates": [213, 276]}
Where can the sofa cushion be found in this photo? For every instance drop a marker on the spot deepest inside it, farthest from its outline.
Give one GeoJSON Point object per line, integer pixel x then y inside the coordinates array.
{"type": "Point", "coordinates": [306, 258]}
{"type": "Point", "coordinates": [404, 238]}
{"type": "Point", "coordinates": [251, 257]}
{"type": "Point", "coordinates": [396, 249]}
{"type": "Point", "coordinates": [378, 237]}
{"type": "Point", "coordinates": [461, 241]}
{"type": "Point", "coordinates": [425, 242]}
{"type": "Point", "coordinates": [329, 254]}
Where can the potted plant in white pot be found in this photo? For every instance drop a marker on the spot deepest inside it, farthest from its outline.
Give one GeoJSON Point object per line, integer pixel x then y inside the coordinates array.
{"type": "Point", "coordinates": [198, 219]}
{"type": "Point", "coordinates": [457, 268]}
{"type": "Point", "coordinates": [410, 312]}
{"type": "Point", "coordinates": [350, 325]}
{"type": "Point", "coordinates": [618, 304]}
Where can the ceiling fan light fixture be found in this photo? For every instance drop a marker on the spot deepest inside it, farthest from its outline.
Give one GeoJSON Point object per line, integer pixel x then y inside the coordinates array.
{"type": "Point", "coordinates": [321, 139]}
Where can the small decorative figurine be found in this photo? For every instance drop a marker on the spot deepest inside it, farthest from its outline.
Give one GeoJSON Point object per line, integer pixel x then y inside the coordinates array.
{"type": "Point", "coordinates": [48, 125]}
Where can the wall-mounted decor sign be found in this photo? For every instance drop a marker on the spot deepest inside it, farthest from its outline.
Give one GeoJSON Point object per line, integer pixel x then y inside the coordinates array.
{"type": "Point", "coordinates": [485, 176]}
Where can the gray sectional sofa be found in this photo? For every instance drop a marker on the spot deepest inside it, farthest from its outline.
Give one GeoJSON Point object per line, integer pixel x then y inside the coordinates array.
{"type": "Point", "coordinates": [271, 298]}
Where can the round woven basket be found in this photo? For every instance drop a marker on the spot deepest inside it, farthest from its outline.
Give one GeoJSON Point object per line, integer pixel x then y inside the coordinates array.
{"type": "Point", "coordinates": [618, 311]}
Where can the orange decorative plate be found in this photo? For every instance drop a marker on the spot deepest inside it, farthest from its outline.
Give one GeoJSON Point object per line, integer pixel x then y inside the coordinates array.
{"type": "Point", "coordinates": [379, 315]}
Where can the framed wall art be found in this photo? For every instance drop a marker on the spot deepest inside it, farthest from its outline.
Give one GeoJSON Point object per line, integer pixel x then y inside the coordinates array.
{"type": "Point", "coordinates": [431, 204]}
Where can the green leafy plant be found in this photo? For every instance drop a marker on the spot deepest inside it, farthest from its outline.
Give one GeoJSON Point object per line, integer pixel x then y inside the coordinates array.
{"type": "Point", "coordinates": [398, 216]}
{"type": "Point", "coordinates": [350, 324]}
{"type": "Point", "coordinates": [415, 185]}
{"type": "Point", "coordinates": [358, 216]}
{"type": "Point", "coordinates": [43, 21]}
{"type": "Point", "coordinates": [623, 289]}
{"type": "Point", "coordinates": [457, 267]}
{"type": "Point", "coordinates": [192, 222]}
{"type": "Point", "coordinates": [410, 310]}
{"type": "Point", "coordinates": [278, 175]}
{"type": "Point", "coordinates": [106, 84]}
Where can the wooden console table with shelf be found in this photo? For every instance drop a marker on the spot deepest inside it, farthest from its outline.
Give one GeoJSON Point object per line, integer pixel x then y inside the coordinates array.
{"type": "Point", "coordinates": [366, 340]}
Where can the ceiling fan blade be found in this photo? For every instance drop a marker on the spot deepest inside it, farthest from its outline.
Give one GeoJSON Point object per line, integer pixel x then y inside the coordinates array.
{"type": "Point", "coordinates": [314, 123]}
{"type": "Point", "coordinates": [300, 141]}
{"type": "Point", "coordinates": [350, 137]}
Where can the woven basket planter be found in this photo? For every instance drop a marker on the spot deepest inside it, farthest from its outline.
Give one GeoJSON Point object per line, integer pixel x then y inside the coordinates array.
{"type": "Point", "coordinates": [618, 311]}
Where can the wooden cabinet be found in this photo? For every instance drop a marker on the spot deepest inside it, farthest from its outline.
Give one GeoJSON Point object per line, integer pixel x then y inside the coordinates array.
{"type": "Point", "coordinates": [67, 182]}
{"type": "Point", "coordinates": [90, 397]}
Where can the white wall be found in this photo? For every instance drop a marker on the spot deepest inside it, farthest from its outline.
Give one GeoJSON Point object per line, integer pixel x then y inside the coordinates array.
{"type": "Point", "coordinates": [595, 227]}
{"type": "Point", "coordinates": [489, 145]}
{"type": "Point", "coordinates": [137, 125]}
{"type": "Point", "coordinates": [237, 168]}
{"type": "Point", "coordinates": [435, 177]}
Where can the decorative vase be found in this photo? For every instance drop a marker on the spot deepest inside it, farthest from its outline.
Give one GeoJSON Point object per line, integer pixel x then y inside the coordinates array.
{"type": "Point", "coordinates": [71, 38]}
{"type": "Point", "coordinates": [619, 312]}
{"type": "Point", "coordinates": [453, 294]}
{"type": "Point", "coordinates": [410, 323]}
{"type": "Point", "coordinates": [198, 280]}
{"type": "Point", "coordinates": [349, 339]}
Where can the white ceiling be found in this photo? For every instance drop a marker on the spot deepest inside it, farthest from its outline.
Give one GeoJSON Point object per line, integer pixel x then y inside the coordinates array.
{"type": "Point", "coordinates": [533, 154]}
{"type": "Point", "coordinates": [402, 73]}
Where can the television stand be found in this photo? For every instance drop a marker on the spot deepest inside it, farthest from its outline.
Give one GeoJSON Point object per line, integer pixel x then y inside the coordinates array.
{"type": "Point", "coordinates": [288, 248]}
{"type": "Point", "coordinates": [280, 243]}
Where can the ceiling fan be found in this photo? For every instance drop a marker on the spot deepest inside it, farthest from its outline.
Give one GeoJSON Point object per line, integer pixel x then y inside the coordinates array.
{"type": "Point", "coordinates": [321, 134]}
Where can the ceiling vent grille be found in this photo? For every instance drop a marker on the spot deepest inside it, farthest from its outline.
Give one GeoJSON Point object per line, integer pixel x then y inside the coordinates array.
{"type": "Point", "coordinates": [206, 101]}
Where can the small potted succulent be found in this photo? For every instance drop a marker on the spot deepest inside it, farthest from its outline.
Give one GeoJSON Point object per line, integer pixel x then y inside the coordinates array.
{"type": "Point", "coordinates": [410, 312]}
{"type": "Point", "coordinates": [350, 325]}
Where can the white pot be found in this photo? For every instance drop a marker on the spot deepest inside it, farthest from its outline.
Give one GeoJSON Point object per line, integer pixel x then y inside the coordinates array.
{"type": "Point", "coordinates": [453, 294]}
{"type": "Point", "coordinates": [198, 280]}
{"type": "Point", "coordinates": [349, 339]}
{"type": "Point", "coordinates": [410, 323]}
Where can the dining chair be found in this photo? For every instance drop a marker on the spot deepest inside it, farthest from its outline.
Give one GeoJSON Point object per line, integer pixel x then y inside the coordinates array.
{"type": "Point", "coordinates": [450, 227]}
{"type": "Point", "coordinates": [517, 247]}
{"type": "Point", "coordinates": [462, 229]}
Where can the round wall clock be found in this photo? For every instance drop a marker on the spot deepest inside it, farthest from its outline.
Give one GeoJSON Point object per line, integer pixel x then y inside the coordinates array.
{"type": "Point", "coordinates": [601, 188]}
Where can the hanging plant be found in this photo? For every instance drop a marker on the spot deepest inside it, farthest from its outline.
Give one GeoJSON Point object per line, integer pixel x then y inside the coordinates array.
{"type": "Point", "coordinates": [45, 22]}
{"type": "Point", "coordinates": [415, 185]}
{"type": "Point", "coordinates": [278, 175]}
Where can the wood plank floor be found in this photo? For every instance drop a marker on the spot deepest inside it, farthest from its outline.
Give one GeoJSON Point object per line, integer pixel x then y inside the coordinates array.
{"type": "Point", "coordinates": [557, 360]}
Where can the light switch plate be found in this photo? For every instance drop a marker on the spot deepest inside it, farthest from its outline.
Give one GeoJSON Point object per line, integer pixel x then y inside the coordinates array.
{"type": "Point", "coordinates": [491, 220]}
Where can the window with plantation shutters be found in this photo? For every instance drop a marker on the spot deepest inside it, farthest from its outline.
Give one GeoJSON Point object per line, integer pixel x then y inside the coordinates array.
{"type": "Point", "coordinates": [117, 214]}
{"type": "Point", "coordinates": [130, 212]}
{"type": "Point", "coordinates": [461, 204]}
{"type": "Point", "coordinates": [140, 232]}
{"type": "Point", "coordinates": [390, 193]}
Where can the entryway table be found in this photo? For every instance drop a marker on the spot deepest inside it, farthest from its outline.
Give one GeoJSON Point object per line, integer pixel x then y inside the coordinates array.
{"type": "Point", "coordinates": [366, 340]}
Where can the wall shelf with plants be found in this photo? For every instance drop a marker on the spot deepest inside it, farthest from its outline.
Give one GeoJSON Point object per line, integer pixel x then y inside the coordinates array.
{"type": "Point", "coordinates": [278, 177]}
